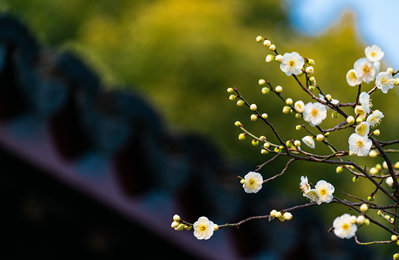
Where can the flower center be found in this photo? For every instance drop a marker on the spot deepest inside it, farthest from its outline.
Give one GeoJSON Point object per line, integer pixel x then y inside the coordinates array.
{"type": "Point", "coordinates": [314, 112]}
{"type": "Point", "coordinates": [323, 192]}
{"type": "Point", "coordinates": [366, 69]}
{"type": "Point", "coordinates": [292, 63]}
{"type": "Point", "coordinates": [345, 226]}
{"type": "Point", "coordinates": [202, 227]}
{"type": "Point", "coordinates": [359, 143]}
{"type": "Point", "coordinates": [251, 182]}
{"type": "Point", "coordinates": [384, 81]}
{"type": "Point", "coordinates": [372, 54]}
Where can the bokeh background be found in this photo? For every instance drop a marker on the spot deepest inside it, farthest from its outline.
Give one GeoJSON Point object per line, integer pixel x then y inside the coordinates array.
{"type": "Point", "coordinates": [180, 56]}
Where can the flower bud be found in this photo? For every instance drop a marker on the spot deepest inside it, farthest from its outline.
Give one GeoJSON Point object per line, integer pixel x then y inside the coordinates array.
{"type": "Point", "coordinates": [396, 165]}
{"type": "Point", "coordinates": [320, 137]}
{"type": "Point", "coordinates": [237, 123]}
{"type": "Point", "coordinates": [350, 119]}
{"type": "Point", "coordinates": [394, 237]}
{"type": "Point", "coordinates": [297, 143]}
{"type": "Point", "coordinates": [273, 213]}
{"type": "Point", "coordinates": [279, 58]}
{"type": "Point", "coordinates": [174, 224]}
{"type": "Point", "coordinates": [180, 227]}
{"type": "Point", "coordinates": [370, 198]}
{"type": "Point", "coordinates": [242, 181]}
{"type": "Point", "coordinates": [352, 220]}
{"type": "Point", "coordinates": [269, 58]}
{"type": "Point", "coordinates": [389, 181]}
{"type": "Point", "coordinates": [297, 115]}
{"type": "Point", "coordinates": [262, 138]}
{"type": "Point", "coordinates": [259, 38]}
{"type": "Point", "coordinates": [367, 222]}
{"type": "Point", "coordinates": [264, 116]}
{"type": "Point", "coordinates": [267, 43]}
{"type": "Point", "coordinates": [359, 120]}
{"type": "Point", "coordinates": [265, 90]}
{"type": "Point", "coordinates": [255, 142]}
{"type": "Point", "coordinates": [309, 70]}
{"type": "Point", "coordinates": [232, 97]}
{"type": "Point", "coordinates": [355, 179]}
{"type": "Point", "coordinates": [312, 79]}
{"type": "Point", "coordinates": [396, 82]}
{"type": "Point", "coordinates": [263, 151]}
{"type": "Point", "coordinates": [289, 101]}
{"type": "Point", "coordinates": [364, 207]}
{"type": "Point", "coordinates": [373, 153]}
{"type": "Point", "coordinates": [311, 61]}
{"type": "Point", "coordinates": [376, 132]}
{"type": "Point", "coordinates": [253, 107]}
{"type": "Point", "coordinates": [266, 145]}
{"type": "Point", "coordinates": [278, 89]}
{"type": "Point", "coordinates": [286, 109]}
{"type": "Point", "coordinates": [339, 169]}
{"type": "Point", "coordinates": [287, 216]}
{"type": "Point", "coordinates": [272, 47]}
{"type": "Point", "coordinates": [390, 70]}
{"type": "Point", "coordinates": [396, 256]}
{"type": "Point", "coordinates": [278, 214]}
{"type": "Point", "coordinates": [240, 103]}
{"type": "Point", "coordinates": [241, 136]}
{"type": "Point", "coordinates": [187, 227]}
{"type": "Point", "coordinates": [215, 227]}
{"type": "Point", "coordinates": [384, 165]}
{"type": "Point", "coordinates": [360, 219]}
{"type": "Point", "coordinates": [298, 127]}
{"type": "Point", "coordinates": [373, 171]}
{"type": "Point", "coordinates": [176, 218]}
{"type": "Point", "coordinates": [254, 117]}
{"type": "Point", "coordinates": [230, 90]}
{"type": "Point", "coordinates": [261, 82]}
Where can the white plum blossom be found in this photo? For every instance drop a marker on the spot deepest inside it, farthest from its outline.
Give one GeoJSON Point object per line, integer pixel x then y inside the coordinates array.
{"type": "Point", "coordinates": [322, 193]}
{"type": "Point", "coordinates": [299, 106]}
{"type": "Point", "coordinates": [374, 53]}
{"type": "Point", "coordinates": [384, 81]}
{"type": "Point", "coordinates": [304, 184]}
{"type": "Point", "coordinates": [344, 226]}
{"type": "Point", "coordinates": [359, 145]}
{"type": "Point", "coordinates": [363, 129]}
{"type": "Point", "coordinates": [365, 70]}
{"type": "Point", "coordinates": [308, 140]}
{"type": "Point", "coordinates": [325, 191]}
{"type": "Point", "coordinates": [292, 63]}
{"type": "Point", "coordinates": [314, 113]}
{"type": "Point", "coordinates": [252, 182]}
{"type": "Point", "coordinates": [360, 111]}
{"type": "Point", "coordinates": [364, 100]}
{"type": "Point", "coordinates": [203, 228]}
{"type": "Point", "coordinates": [375, 118]}
{"type": "Point", "coordinates": [352, 79]}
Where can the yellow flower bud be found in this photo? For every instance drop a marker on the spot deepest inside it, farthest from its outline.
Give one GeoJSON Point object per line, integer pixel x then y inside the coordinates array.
{"type": "Point", "coordinates": [264, 116]}
{"type": "Point", "coordinates": [241, 136]}
{"type": "Point", "coordinates": [265, 90]}
{"type": "Point", "coordinates": [232, 97]}
{"type": "Point", "coordinates": [350, 119]}
{"type": "Point", "coordinates": [272, 47]}
{"type": "Point", "coordinates": [237, 123]}
{"type": "Point", "coordinates": [376, 132]}
{"type": "Point", "coordinates": [259, 38]}
{"type": "Point", "coordinates": [364, 207]}
{"type": "Point", "coordinates": [289, 101]}
{"type": "Point", "coordinates": [339, 169]}
{"type": "Point", "coordinates": [320, 137]}
{"type": "Point", "coordinates": [278, 89]}
{"type": "Point", "coordinates": [253, 107]}
{"type": "Point", "coordinates": [255, 142]}
{"type": "Point", "coordinates": [230, 90]}
{"type": "Point", "coordinates": [254, 117]}
{"type": "Point", "coordinates": [273, 213]}
{"type": "Point", "coordinates": [298, 127]}
{"type": "Point", "coordinates": [267, 43]}
{"type": "Point", "coordinates": [240, 103]}
{"type": "Point", "coordinates": [261, 82]}
{"type": "Point", "coordinates": [286, 109]}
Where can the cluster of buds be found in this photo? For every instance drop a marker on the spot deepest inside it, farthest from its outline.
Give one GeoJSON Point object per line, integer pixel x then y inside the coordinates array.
{"type": "Point", "coordinates": [282, 216]}
{"type": "Point", "coordinates": [178, 225]}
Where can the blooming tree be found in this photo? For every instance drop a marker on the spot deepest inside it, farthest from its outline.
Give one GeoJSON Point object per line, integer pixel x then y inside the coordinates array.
{"type": "Point", "coordinates": [359, 116]}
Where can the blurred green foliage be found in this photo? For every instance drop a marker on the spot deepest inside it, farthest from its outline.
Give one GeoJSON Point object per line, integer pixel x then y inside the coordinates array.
{"type": "Point", "coordinates": [182, 55]}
